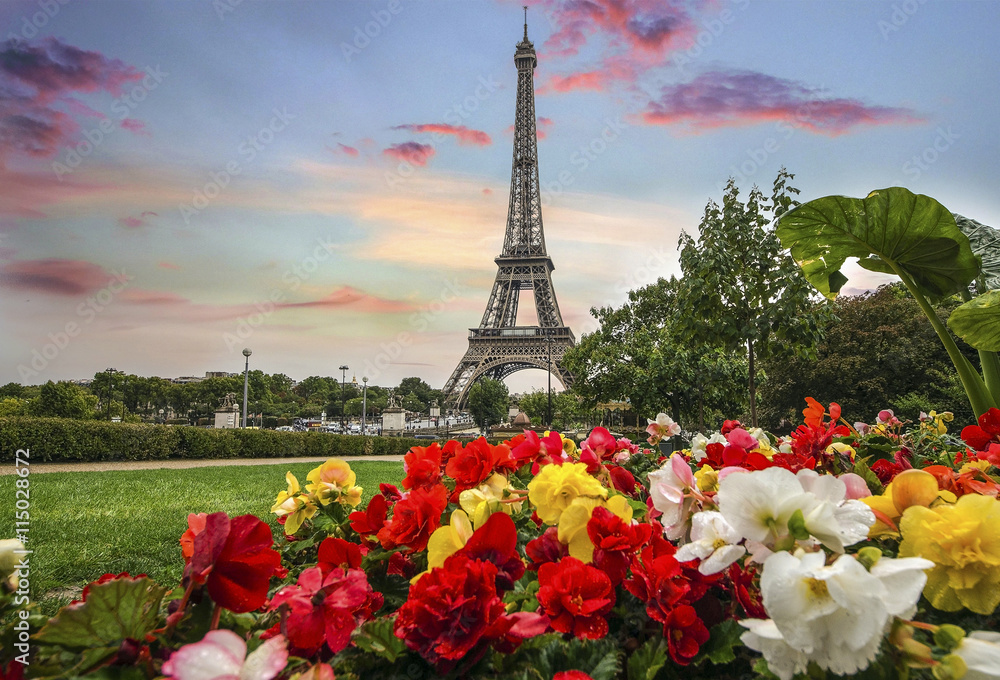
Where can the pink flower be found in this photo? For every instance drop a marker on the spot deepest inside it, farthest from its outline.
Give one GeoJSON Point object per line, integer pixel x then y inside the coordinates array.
{"type": "Point", "coordinates": [662, 427]}
{"type": "Point", "coordinates": [222, 654]}
{"type": "Point", "coordinates": [600, 443]}
{"type": "Point", "coordinates": [743, 439]}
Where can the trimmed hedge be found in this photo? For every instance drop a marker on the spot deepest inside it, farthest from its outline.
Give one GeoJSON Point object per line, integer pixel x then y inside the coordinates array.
{"type": "Point", "coordinates": [63, 440]}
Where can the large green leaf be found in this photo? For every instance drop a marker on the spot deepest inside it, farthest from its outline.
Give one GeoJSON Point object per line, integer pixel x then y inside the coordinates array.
{"type": "Point", "coordinates": [114, 611]}
{"type": "Point", "coordinates": [978, 321]}
{"type": "Point", "coordinates": [892, 229]}
{"type": "Point", "coordinates": [985, 242]}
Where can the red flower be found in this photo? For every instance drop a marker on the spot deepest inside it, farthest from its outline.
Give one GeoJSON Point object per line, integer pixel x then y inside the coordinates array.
{"type": "Point", "coordinates": [451, 610]}
{"type": "Point", "coordinates": [476, 463]}
{"type": "Point", "coordinates": [336, 552]}
{"type": "Point", "coordinates": [745, 592]}
{"type": "Point", "coordinates": [423, 466]}
{"type": "Point", "coordinates": [658, 579]}
{"type": "Point", "coordinates": [529, 448]}
{"type": "Point", "coordinates": [571, 675]}
{"type": "Point", "coordinates": [390, 492]}
{"type": "Point", "coordinates": [370, 521]}
{"type": "Point", "coordinates": [577, 597]}
{"type": "Point", "coordinates": [234, 558]}
{"type": "Point", "coordinates": [546, 548]}
{"type": "Point", "coordinates": [327, 608]}
{"type": "Point", "coordinates": [730, 425]}
{"type": "Point", "coordinates": [496, 542]}
{"type": "Point", "coordinates": [622, 479]}
{"type": "Point", "coordinates": [685, 634]}
{"type": "Point", "coordinates": [414, 519]}
{"type": "Point", "coordinates": [448, 451]}
{"type": "Point", "coordinates": [987, 431]}
{"type": "Point", "coordinates": [401, 565]}
{"type": "Point", "coordinates": [615, 541]}
{"type": "Point", "coordinates": [601, 443]}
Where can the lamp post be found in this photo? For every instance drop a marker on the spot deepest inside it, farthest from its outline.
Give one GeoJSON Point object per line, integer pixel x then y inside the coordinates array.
{"type": "Point", "coordinates": [246, 383]}
{"type": "Point", "coordinates": [111, 372]}
{"type": "Point", "coordinates": [364, 405]}
{"type": "Point", "coordinates": [548, 413]}
{"type": "Point", "coordinates": [343, 395]}
{"type": "Point", "coordinates": [124, 387]}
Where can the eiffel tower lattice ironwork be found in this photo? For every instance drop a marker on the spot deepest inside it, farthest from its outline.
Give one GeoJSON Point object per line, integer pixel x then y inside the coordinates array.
{"type": "Point", "coordinates": [499, 347]}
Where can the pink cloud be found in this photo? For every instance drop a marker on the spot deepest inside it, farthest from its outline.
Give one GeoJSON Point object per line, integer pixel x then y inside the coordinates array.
{"type": "Point", "coordinates": [140, 296]}
{"type": "Point", "coordinates": [412, 152]}
{"type": "Point", "coordinates": [542, 127]}
{"type": "Point", "coordinates": [132, 222]}
{"type": "Point", "coordinates": [649, 26]}
{"type": "Point", "coordinates": [739, 98]}
{"type": "Point", "coordinates": [349, 150]}
{"type": "Point", "coordinates": [587, 80]}
{"type": "Point", "coordinates": [163, 264]}
{"type": "Point", "coordinates": [355, 299]}
{"type": "Point", "coordinates": [38, 78]}
{"type": "Point", "coordinates": [136, 126]}
{"type": "Point", "coordinates": [54, 276]}
{"type": "Point", "coordinates": [464, 134]}
{"type": "Point", "coordinates": [487, 191]}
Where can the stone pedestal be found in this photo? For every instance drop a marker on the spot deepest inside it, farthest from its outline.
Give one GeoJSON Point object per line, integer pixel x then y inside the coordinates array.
{"type": "Point", "coordinates": [393, 419]}
{"type": "Point", "coordinates": [227, 419]}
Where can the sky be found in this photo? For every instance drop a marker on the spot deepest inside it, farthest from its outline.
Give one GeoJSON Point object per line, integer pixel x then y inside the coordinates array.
{"type": "Point", "coordinates": [326, 183]}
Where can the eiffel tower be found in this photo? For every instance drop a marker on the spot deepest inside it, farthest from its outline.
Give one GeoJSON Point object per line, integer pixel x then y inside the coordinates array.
{"type": "Point", "coordinates": [498, 347]}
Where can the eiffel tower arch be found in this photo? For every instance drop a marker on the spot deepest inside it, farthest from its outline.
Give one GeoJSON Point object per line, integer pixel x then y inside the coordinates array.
{"type": "Point", "coordinates": [499, 347]}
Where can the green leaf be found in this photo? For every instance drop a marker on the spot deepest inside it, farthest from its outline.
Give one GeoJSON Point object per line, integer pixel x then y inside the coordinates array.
{"type": "Point", "coordinates": [985, 242]}
{"type": "Point", "coordinates": [116, 610]}
{"type": "Point", "coordinates": [377, 637]}
{"type": "Point", "coordinates": [871, 479]}
{"type": "Point", "coordinates": [646, 662]}
{"type": "Point", "coordinates": [892, 231]}
{"type": "Point", "coordinates": [725, 636]}
{"type": "Point", "coordinates": [607, 668]}
{"type": "Point", "coordinates": [978, 321]}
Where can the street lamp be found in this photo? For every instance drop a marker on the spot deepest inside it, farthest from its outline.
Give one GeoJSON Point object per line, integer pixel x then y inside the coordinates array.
{"type": "Point", "coordinates": [364, 405]}
{"type": "Point", "coordinates": [343, 395]}
{"type": "Point", "coordinates": [124, 387]}
{"type": "Point", "coordinates": [548, 414]}
{"type": "Point", "coordinates": [111, 372]}
{"type": "Point", "coordinates": [246, 383]}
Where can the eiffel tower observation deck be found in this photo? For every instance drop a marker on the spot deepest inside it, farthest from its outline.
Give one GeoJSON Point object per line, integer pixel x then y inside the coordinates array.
{"type": "Point", "coordinates": [499, 347]}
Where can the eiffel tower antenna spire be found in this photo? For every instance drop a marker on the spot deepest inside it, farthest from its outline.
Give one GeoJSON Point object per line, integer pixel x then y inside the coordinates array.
{"type": "Point", "coordinates": [499, 347]}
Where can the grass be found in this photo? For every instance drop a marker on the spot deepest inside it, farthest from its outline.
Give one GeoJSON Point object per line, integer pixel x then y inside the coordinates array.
{"type": "Point", "coordinates": [85, 524]}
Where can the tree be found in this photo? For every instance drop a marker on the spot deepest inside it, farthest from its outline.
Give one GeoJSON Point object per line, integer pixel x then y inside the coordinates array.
{"type": "Point", "coordinates": [741, 292]}
{"type": "Point", "coordinates": [488, 402]}
{"type": "Point", "coordinates": [64, 400]}
{"type": "Point", "coordinates": [638, 355]}
{"type": "Point", "coordinates": [878, 351]}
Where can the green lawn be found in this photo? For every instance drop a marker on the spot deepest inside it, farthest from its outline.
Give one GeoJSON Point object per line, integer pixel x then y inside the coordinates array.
{"type": "Point", "coordinates": [85, 524]}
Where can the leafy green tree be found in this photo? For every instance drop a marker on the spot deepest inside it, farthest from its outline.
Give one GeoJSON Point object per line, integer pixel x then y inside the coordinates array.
{"type": "Point", "coordinates": [65, 400]}
{"type": "Point", "coordinates": [13, 406]}
{"type": "Point", "coordinates": [638, 355]}
{"type": "Point", "coordinates": [741, 292]}
{"type": "Point", "coordinates": [11, 389]}
{"type": "Point", "coordinates": [878, 351]}
{"type": "Point", "coordinates": [488, 402]}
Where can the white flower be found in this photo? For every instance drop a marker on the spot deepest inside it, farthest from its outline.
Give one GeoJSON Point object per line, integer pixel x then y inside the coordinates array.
{"type": "Point", "coordinates": [712, 541]}
{"type": "Point", "coordinates": [699, 445]}
{"type": "Point", "coordinates": [836, 615]}
{"type": "Point", "coordinates": [759, 504]}
{"type": "Point", "coordinates": [670, 489]}
{"type": "Point", "coordinates": [980, 650]}
{"type": "Point", "coordinates": [782, 659]}
{"type": "Point", "coordinates": [223, 654]}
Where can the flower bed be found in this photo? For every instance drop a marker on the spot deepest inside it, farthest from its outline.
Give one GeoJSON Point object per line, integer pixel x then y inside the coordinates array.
{"type": "Point", "coordinates": [857, 550]}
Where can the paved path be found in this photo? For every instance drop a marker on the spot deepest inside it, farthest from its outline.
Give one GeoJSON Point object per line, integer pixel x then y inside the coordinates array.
{"type": "Point", "coordinates": [106, 466]}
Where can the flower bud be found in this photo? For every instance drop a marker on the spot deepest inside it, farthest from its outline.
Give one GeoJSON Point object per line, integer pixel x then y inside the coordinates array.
{"type": "Point", "coordinates": [952, 667]}
{"type": "Point", "coordinates": [869, 556]}
{"type": "Point", "coordinates": [948, 636]}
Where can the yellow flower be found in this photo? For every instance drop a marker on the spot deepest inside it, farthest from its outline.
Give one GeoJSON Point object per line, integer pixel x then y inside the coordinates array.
{"type": "Point", "coordinates": [572, 530]}
{"type": "Point", "coordinates": [935, 422]}
{"type": "Point", "coordinates": [909, 488]}
{"type": "Point", "coordinates": [486, 499]}
{"type": "Point", "coordinates": [707, 479]}
{"type": "Point", "coordinates": [293, 505]}
{"type": "Point", "coordinates": [568, 445]}
{"type": "Point", "coordinates": [963, 541]}
{"type": "Point", "coordinates": [555, 486]}
{"type": "Point", "coordinates": [446, 541]}
{"type": "Point", "coordinates": [9, 562]}
{"type": "Point", "coordinates": [329, 479]}
{"type": "Point", "coordinates": [352, 496]}
{"type": "Point", "coordinates": [837, 447]}
{"type": "Point", "coordinates": [974, 465]}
